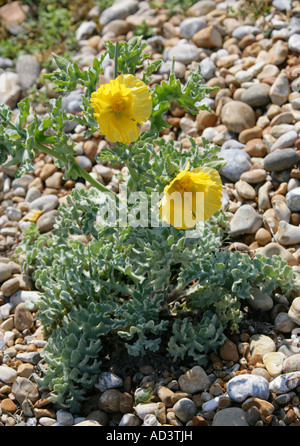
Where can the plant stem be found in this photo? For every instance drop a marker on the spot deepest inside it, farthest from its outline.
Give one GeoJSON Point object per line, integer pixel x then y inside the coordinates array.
{"type": "Point", "coordinates": [83, 173]}
{"type": "Point", "coordinates": [116, 59]}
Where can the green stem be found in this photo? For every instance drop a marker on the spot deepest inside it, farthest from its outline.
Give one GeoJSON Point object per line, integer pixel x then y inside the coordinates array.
{"type": "Point", "coordinates": [83, 173]}
{"type": "Point", "coordinates": [116, 59]}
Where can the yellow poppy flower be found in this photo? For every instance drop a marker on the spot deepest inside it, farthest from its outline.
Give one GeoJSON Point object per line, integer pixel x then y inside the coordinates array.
{"type": "Point", "coordinates": [120, 106]}
{"type": "Point", "coordinates": [192, 196]}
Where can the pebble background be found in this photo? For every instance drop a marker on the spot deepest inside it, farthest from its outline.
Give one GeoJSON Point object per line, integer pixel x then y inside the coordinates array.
{"type": "Point", "coordinates": [254, 379]}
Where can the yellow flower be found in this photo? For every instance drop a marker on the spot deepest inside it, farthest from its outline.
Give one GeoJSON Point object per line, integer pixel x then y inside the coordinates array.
{"type": "Point", "coordinates": [192, 196]}
{"type": "Point", "coordinates": [120, 106]}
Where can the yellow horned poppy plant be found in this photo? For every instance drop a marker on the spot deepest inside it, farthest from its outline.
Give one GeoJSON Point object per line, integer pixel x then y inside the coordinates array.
{"type": "Point", "coordinates": [192, 196]}
{"type": "Point", "coordinates": [120, 106]}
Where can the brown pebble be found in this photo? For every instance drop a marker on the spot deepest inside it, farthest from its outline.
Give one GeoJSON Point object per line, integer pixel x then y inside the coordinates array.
{"type": "Point", "coordinates": [228, 351]}
{"type": "Point", "coordinates": [200, 421]}
{"type": "Point", "coordinates": [216, 361]}
{"type": "Point", "coordinates": [126, 402]}
{"type": "Point", "coordinates": [23, 318]}
{"type": "Point", "coordinates": [289, 416]}
{"type": "Point", "coordinates": [7, 405]}
{"type": "Point", "coordinates": [39, 412]}
{"type": "Point", "coordinates": [10, 286]}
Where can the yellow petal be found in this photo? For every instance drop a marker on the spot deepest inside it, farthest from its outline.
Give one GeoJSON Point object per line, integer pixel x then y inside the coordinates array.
{"type": "Point", "coordinates": [120, 106]}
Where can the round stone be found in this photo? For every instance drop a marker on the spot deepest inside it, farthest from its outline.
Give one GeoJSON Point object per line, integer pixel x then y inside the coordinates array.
{"type": "Point", "coordinates": [293, 199]}
{"type": "Point", "coordinates": [284, 323]}
{"type": "Point", "coordinates": [274, 363]}
{"type": "Point", "coordinates": [237, 116]}
{"type": "Point", "coordinates": [245, 221]}
{"type": "Point", "coordinates": [294, 311]}
{"type": "Point", "coordinates": [281, 160]}
{"type": "Point", "coordinates": [259, 301]}
{"type": "Point", "coordinates": [185, 409]}
{"type": "Point", "coordinates": [242, 386]}
{"type": "Point", "coordinates": [237, 162]}
{"type": "Point", "coordinates": [24, 388]}
{"type": "Point", "coordinates": [292, 364]}
{"type": "Point", "coordinates": [7, 374]}
{"type": "Point", "coordinates": [231, 416]}
{"type": "Point", "coordinates": [108, 380]}
{"type": "Point", "coordinates": [256, 95]}
{"type": "Point", "coordinates": [261, 344]}
{"type": "Point", "coordinates": [194, 380]}
{"type": "Point", "coordinates": [285, 383]}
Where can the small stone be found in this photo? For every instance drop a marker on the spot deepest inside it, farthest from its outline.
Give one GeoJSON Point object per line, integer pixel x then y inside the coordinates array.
{"type": "Point", "coordinates": [274, 249]}
{"type": "Point", "coordinates": [85, 30]}
{"type": "Point", "coordinates": [7, 405]}
{"type": "Point", "coordinates": [8, 375]}
{"type": "Point", "coordinates": [283, 323]}
{"type": "Point", "coordinates": [64, 418]}
{"type": "Point", "coordinates": [294, 43]}
{"type": "Point", "coordinates": [188, 27]}
{"type": "Point", "coordinates": [286, 140]}
{"type": "Point", "coordinates": [23, 318]}
{"type": "Point", "coordinates": [44, 203]}
{"type": "Point", "coordinates": [287, 234]}
{"type": "Point", "coordinates": [237, 116]}
{"type": "Point", "coordinates": [293, 199]}
{"type": "Point", "coordinates": [280, 90]}
{"type": "Point", "coordinates": [144, 409]}
{"type": "Point", "coordinates": [165, 395]}
{"type": "Point", "coordinates": [208, 37]}
{"type": "Point", "coordinates": [231, 416]}
{"type": "Point", "coordinates": [129, 419]}
{"type": "Point", "coordinates": [109, 401]}
{"type": "Point", "coordinates": [245, 221]}
{"type": "Point", "coordinates": [28, 70]}
{"type": "Point", "coordinates": [294, 311]}
{"type": "Point", "coordinates": [278, 53]}
{"type": "Point", "coordinates": [205, 119]}
{"type": "Point", "coordinates": [265, 408]}
{"type": "Point", "coordinates": [201, 8]}
{"type": "Point", "coordinates": [194, 380]}
{"type": "Point", "coordinates": [263, 237]}
{"type": "Point", "coordinates": [280, 160]}
{"type": "Point", "coordinates": [46, 221]}
{"type": "Point", "coordinates": [254, 176]}
{"type": "Point", "coordinates": [242, 386]}
{"type": "Point", "coordinates": [24, 388]}
{"type": "Point", "coordinates": [185, 409]}
{"type": "Point", "coordinates": [25, 370]}
{"type": "Point", "coordinates": [261, 344]}
{"type": "Point", "coordinates": [185, 53]}
{"type": "Point", "coordinates": [292, 364]}
{"type": "Point", "coordinates": [108, 380]}
{"type": "Point", "coordinates": [10, 89]}
{"type": "Point", "coordinates": [237, 162]}
{"type": "Point", "coordinates": [5, 271]}
{"type": "Point", "coordinates": [228, 351]}
{"type": "Point", "coordinates": [13, 213]}
{"type": "Point", "coordinates": [274, 363]}
{"type": "Point", "coordinates": [10, 286]}
{"type": "Point", "coordinates": [256, 95]}
{"type": "Point", "coordinates": [46, 421]}
{"type": "Point", "coordinates": [285, 383]}
{"type": "Point", "coordinates": [259, 301]}
{"type": "Point", "coordinates": [119, 10]}
{"type": "Point", "coordinates": [245, 190]}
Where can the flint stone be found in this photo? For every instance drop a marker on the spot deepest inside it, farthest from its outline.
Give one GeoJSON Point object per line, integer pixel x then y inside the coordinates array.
{"type": "Point", "coordinates": [245, 221]}
{"type": "Point", "coordinates": [28, 70]}
{"type": "Point", "coordinates": [238, 162]}
{"type": "Point", "coordinates": [242, 386]}
{"type": "Point", "coordinates": [281, 160]}
{"type": "Point", "coordinates": [119, 10]}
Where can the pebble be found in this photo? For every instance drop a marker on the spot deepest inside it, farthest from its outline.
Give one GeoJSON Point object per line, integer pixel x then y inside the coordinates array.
{"type": "Point", "coordinates": [44, 203]}
{"type": "Point", "coordinates": [237, 162]}
{"type": "Point", "coordinates": [294, 43]}
{"type": "Point", "coordinates": [285, 382]}
{"type": "Point", "coordinates": [108, 380]}
{"type": "Point", "coordinates": [185, 409]}
{"type": "Point", "coordinates": [261, 344]}
{"type": "Point", "coordinates": [8, 375]}
{"type": "Point", "coordinates": [286, 140]}
{"type": "Point", "coordinates": [231, 416]}
{"type": "Point", "coordinates": [260, 301]}
{"type": "Point", "coordinates": [274, 363]}
{"type": "Point", "coordinates": [287, 233]}
{"type": "Point", "coordinates": [46, 221]}
{"type": "Point", "coordinates": [237, 116]}
{"type": "Point", "coordinates": [292, 364]}
{"type": "Point", "coordinates": [28, 70]}
{"type": "Point", "coordinates": [119, 10]}
{"type": "Point", "coordinates": [257, 95]}
{"type": "Point", "coordinates": [294, 311]}
{"type": "Point", "coordinates": [188, 27]}
{"type": "Point", "coordinates": [245, 221]}
{"type": "Point", "coordinates": [293, 199]}
{"type": "Point", "coordinates": [242, 386]}
{"type": "Point", "coordinates": [194, 380]}
{"type": "Point", "coordinates": [280, 160]}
